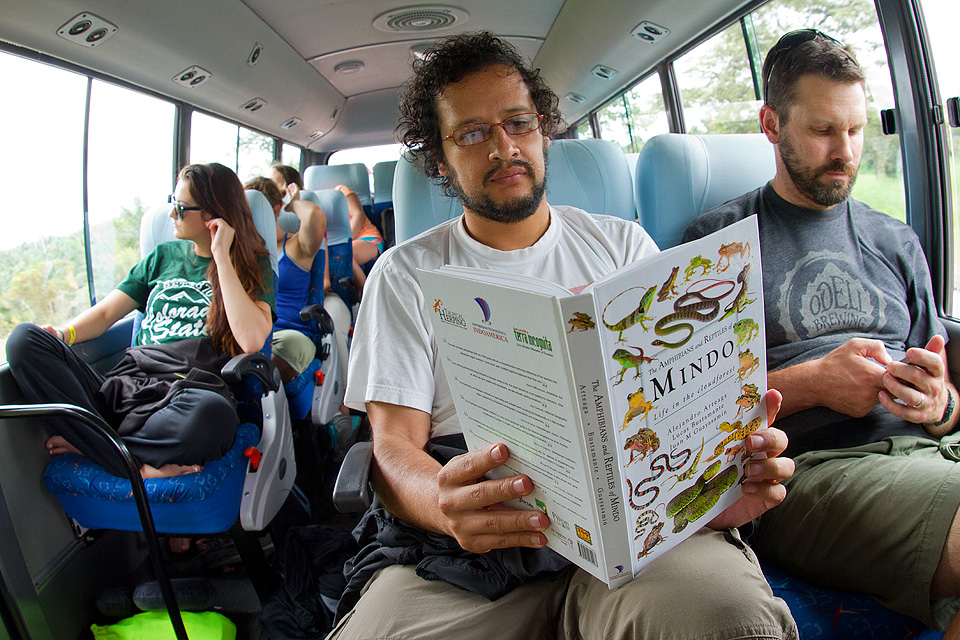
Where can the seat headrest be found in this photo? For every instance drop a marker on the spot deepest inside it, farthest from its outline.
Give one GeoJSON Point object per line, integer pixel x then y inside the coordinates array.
{"type": "Point", "coordinates": [680, 176]}
{"type": "Point", "coordinates": [327, 176]}
{"type": "Point", "coordinates": [156, 226]}
{"type": "Point", "coordinates": [589, 174]}
{"type": "Point", "coordinates": [334, 205]}
{"type": "Point", "coordinates": [383, 184]}
{"type": "Point", "coordinates": [265, 222]}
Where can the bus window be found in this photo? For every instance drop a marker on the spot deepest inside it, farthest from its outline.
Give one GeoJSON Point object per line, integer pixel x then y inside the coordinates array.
{"type": "Point", "coordinates": [636, 116]}
{"type": "Point", "coordinates": [716, 86]}
{"type": "Point", "coordinates": [855, 23]}
{"type": "Point", "coordinates": [213, 140]}
{"type": "Point", "coordinates": [128, 171]}
{"type": "Point", "coordinates": [368, 156]}
{"type": "Point", "coordinates": [585, 131]}
{"type": "Point", "coordinates": [41, 244]}
{"type": "Point", "coordinates": [938, 16]}
{"type": "Point", "coordinates": [254, 154]}
{"type": "Point", "coordinates": [290, 155]}
{"type": "Point", "coordinates": [247, 152]}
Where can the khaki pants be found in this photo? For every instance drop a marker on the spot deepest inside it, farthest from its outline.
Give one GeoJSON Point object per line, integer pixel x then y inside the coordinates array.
{"type": "Point", "coordinates": [710, 586]}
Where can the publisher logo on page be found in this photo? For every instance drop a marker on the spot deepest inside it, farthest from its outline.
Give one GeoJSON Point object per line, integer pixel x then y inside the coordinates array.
{"type": "Point", "coordinates": [447, 316]}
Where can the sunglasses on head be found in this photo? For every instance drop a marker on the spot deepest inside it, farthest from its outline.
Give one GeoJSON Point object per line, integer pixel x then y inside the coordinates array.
{"type": "Point", "coordinates": [790, 41]}
{"type": "Point", "coordinates": [179, 208]}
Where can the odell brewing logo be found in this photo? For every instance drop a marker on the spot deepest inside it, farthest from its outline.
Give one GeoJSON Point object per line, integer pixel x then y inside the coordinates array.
{"type": "Point", "coordinates": [447, 316]}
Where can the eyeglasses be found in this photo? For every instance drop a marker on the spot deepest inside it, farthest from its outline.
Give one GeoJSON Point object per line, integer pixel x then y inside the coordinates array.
{"type": "Point", "coordinates": [790, 41]}
{"type": "Point", "coordinates": [179, 208]}
{"type": "Point", "coordinates": [478, 132]}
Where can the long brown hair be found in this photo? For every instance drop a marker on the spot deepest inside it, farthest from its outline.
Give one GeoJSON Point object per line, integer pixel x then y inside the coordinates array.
{"type": "Point", "coordinates": [217, 190]}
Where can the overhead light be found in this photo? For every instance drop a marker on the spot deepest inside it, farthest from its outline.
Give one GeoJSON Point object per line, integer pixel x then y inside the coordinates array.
{"type": "Point", "coordinates": [254, 56]}
{"type": "Point", "coordinates": [428, 17]}
{"type": "Point", "coordinates": [348, 67]}
{"type": "Point", "coordinates": [575, 97]}
{"type": "Point", "coordinates": [192, 76]}
{"type": "Point", "coordinates": [602, 71]}
{"type": "Point", "coordinates": [87, 30]}
{"type": "Point", "coordinates": [253, 105]}
{"type": "Point", "coordinates": [649, 32]}
{"type": "Point", "coordinates": [316, 135]}
{"type": "Point", "coordinates": [290, 124]}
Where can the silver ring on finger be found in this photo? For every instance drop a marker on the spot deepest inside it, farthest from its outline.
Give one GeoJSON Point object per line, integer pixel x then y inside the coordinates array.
{"type": "Point", "coordinates": [919, 404]}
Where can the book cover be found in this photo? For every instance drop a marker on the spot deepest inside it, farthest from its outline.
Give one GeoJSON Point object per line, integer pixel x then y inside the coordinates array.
{"type": "Point", "coordinates": [626, 404]}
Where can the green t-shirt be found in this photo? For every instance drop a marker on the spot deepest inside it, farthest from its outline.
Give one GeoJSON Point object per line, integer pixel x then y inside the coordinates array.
{"type": "Point", "coordinates": [171, 289]}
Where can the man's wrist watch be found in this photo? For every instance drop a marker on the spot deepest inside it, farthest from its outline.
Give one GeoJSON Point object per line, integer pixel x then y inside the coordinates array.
{"type": "Point", "coordinates": [947, 412]}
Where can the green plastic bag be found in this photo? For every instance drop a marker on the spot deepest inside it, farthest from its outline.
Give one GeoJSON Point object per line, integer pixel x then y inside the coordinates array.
{"type": "Point", "coordinates": [155, 625]}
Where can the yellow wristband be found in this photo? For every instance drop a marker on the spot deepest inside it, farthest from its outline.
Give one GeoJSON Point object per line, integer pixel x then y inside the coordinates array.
{"type": "Point", "coordinates": [73, 335]}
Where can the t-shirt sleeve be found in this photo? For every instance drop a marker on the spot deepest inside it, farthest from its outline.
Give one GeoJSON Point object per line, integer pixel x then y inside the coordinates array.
{"type": "Point", "coordinates": [392, 358]}
{"type": "Point", "coordinates": [925, 321]}
{"type": "Point", "coordinates": [139, 280]}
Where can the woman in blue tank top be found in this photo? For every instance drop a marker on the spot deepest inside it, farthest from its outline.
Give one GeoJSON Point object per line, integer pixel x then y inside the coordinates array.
{"type": "Point", "coordinates": [293, 347]}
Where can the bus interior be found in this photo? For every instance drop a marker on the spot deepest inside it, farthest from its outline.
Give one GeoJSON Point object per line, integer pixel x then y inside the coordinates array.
{"type": "Point", "coordinates": [105, 101]}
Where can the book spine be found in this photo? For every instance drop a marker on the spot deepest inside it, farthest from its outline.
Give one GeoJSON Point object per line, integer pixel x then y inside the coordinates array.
{"type": "Point", "coordinates": [598, 437]}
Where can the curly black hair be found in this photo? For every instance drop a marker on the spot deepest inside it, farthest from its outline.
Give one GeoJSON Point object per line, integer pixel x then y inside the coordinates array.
{"type": "Point", "coordinates": [449, 61]}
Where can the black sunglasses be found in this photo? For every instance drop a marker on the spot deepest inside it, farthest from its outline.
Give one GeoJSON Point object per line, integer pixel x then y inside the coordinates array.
{"type": "Point", "coordinates": [179, 208]}
{"type": "Point", "coordinates": [790, 41]}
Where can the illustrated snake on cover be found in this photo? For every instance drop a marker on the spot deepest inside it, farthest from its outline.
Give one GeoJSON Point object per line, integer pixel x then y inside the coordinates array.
{"type": "Point", "coordinates": [703, 309]}
{"type": "Point", "coordinates": [657, 466]}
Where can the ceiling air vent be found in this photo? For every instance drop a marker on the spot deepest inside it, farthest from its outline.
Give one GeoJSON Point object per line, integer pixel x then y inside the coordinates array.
{"type": "Point", "coordinates": [87, 30]}
{"type": "Point", "coordinates": [649, 32]}
{"type": "Point", "coordinates": [253, 105]}
{"type": "Point", "coordinates": [316, 135]}
{"type": "Point", "coordinates": [575, 97]}
{"type": "Point", "coordinates": [255, 54]}
{"type": "Point", "coordinates": [290, 124]}
{"type": "Point", "coordinates": [602, 71]}
{"type": "Point", "coordinates": [192, 76]}
{"type": "Point", "coordinates": [419, 19]}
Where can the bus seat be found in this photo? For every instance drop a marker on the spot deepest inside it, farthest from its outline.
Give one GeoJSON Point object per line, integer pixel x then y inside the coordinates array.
{"type": "Point", "coordinates": [318, 391]}
{"type": "Point", "coordinates": [355, 175]}
{"type": "Point", "coordinates": [244, 486]}
{"type": "Point", "coordinates": [680, 176]}
{"type": "Point", "coordinates": [383, 185]}
{"type": "Point", "coordinates": [589, 174]}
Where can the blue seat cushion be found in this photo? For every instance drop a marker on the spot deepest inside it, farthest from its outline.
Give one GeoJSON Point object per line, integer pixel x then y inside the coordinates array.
{"type": "Point", "coordinates": [205, 502]}
{"type": "Point", "coordinates": [824, 614]}
{"type": "Point", "coordinates": [299, 391]}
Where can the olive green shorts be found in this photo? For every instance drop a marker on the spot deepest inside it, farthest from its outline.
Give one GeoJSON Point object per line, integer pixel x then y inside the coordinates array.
{"type": "Point", "coordinates": [294, 348]}
{"type": "Point", "coordinates": [872, 519]}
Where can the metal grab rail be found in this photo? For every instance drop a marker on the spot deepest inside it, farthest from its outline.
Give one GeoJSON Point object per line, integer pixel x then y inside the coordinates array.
{"type": "Point", "coordinates": [105, 432]}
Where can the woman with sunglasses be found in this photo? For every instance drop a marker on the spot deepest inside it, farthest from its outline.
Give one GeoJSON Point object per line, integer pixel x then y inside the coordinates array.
{"type": "Point", "coordinates": [205, 297]}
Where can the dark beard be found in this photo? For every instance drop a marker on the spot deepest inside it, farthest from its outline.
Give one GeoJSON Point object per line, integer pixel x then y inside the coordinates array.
{"type": "Point", "coordinates": [808, 182]}
{"type": "Point", "coordinates": [515, 210]}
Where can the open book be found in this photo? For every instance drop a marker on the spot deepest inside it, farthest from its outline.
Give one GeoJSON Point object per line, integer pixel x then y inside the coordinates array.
{"type": "Point", "coordinates": [626, 404]}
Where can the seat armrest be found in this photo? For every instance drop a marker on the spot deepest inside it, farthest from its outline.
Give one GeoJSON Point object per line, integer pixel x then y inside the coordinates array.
{"type": "Point", "coordinates": [351, 493]}
{"type": "Point", "coordinates": [318, 313]}
{"type": "Point", "coordinates": [255, 364]}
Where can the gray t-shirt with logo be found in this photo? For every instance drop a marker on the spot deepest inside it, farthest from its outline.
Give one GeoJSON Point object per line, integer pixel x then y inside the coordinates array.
{"type": "Point", "coordinates": [829, 276]}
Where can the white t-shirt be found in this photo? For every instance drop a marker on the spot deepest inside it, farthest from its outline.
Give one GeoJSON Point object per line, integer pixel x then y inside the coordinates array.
{"type": "Point", "coordinates": [394, 355]}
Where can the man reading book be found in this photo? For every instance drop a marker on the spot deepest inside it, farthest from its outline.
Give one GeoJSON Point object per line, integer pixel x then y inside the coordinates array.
{"type": "Point", "coordinates": [443, 558]}
{"type": "Point", "coordinates": [867, 399]}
